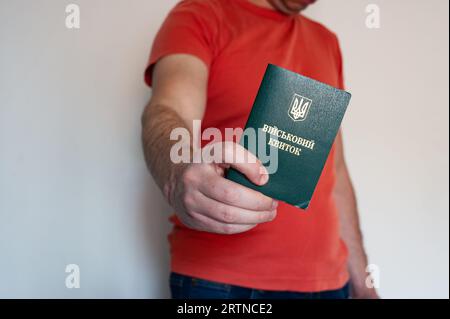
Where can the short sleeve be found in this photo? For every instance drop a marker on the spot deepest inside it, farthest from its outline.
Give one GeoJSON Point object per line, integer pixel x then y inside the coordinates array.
{"type": "Point", "coordinates": [189, 28]}
{"type": "Point", "coordinates": [340, 64]}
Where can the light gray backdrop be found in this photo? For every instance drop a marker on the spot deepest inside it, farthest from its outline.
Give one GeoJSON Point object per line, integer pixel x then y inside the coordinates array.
{"type": "Point", "coordinates": [74, 187]}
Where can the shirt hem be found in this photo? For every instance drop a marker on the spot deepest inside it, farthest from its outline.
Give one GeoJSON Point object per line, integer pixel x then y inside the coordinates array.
{"type": "Point", "coordinates": [294, 284]}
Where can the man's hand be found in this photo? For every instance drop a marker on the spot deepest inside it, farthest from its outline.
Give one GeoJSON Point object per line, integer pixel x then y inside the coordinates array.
{"type": "Point", "coordinates": [204, 200]}
{"type": "Point", "coordinates": [363, 292]}
{"type": "Point", "coordinates": [350, 229]}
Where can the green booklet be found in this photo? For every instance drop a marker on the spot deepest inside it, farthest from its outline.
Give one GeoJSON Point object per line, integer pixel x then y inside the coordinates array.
{"type": "Point", "coordinates": [297, 120]}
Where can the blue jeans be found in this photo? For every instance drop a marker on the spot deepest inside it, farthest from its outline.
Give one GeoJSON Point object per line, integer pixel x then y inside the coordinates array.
{"type": "Point", "coordinates": [185, 287]}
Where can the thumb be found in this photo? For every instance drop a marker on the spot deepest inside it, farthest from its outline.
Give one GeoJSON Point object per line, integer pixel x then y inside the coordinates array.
{"type": "Point", "coordinates": [245, 162]}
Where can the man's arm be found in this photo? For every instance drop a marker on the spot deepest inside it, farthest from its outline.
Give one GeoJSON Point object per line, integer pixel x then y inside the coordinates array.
{"type": "Point", "coordinates": [350, 228]}
{"type": "Point", "coordinates": [173, 77]}
{"type": "Point", "coordinates": [201, 197]}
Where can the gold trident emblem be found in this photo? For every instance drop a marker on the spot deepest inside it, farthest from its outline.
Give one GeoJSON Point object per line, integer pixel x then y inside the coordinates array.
{"type": "Point", "coordinates": [299, 107]}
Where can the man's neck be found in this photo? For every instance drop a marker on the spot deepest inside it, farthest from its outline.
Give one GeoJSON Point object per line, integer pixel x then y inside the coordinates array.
{"type": "Point", "coordinates": [262, 3]}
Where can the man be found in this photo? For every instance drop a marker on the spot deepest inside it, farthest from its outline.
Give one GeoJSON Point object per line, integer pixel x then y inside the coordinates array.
{"type": "Point", "coordinates": [229, 241]}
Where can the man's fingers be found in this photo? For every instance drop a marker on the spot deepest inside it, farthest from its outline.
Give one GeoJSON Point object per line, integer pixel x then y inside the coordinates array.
{"type": "Point", "coordinates": [234, 194]}
{"type": "Point", "coordinates": [205, 223]}
{"type": "Point", "coordinates": [239, 158]}
{"type": "Point", "coordinates": [230, 214]}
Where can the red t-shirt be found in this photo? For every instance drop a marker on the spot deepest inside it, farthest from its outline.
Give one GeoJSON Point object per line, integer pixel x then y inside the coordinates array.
{"type": "Point", "coordinates": [298, 251]}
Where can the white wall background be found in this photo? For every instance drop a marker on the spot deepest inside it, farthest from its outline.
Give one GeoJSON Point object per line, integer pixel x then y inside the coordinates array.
{"type": "Point", "coordinates": [74, 187]}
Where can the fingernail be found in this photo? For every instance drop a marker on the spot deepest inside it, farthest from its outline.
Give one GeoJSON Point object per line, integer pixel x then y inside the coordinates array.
{"type": "Point", "coordinates": [264, 178]}
{"type": "Point", "coordinates": [274, 204]}
{"type": "Point", "coordinates": [274, 215]}
{"type": "Point", "coordinates": [263, 170]}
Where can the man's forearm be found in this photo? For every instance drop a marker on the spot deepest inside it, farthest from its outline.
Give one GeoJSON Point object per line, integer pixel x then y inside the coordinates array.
{"type": "Point", "coordinates": [350, 228]}
{"type": "Point", "coordinates": [158, 121]}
